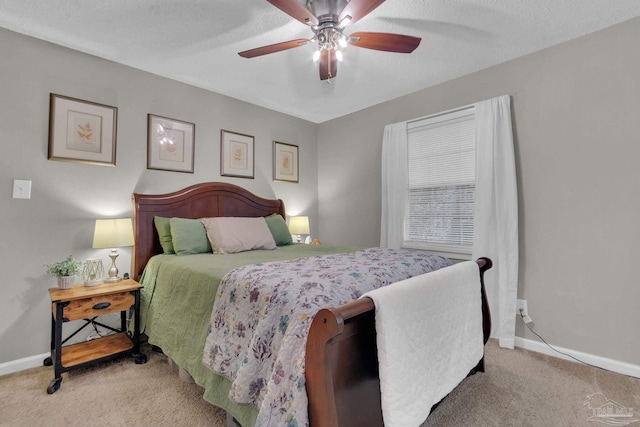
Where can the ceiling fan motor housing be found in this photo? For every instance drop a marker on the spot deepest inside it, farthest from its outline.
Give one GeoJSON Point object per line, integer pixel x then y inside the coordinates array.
{"type": "Point", "coordinates": [321, 8]}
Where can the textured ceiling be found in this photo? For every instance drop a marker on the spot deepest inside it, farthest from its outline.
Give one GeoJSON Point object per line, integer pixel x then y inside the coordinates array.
{"type": "Point", "coordinates": [196, 42]}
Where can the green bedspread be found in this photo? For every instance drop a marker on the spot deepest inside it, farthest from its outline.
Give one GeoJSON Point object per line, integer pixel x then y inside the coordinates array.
{"type": "Point", "coordinates": [176, 305]}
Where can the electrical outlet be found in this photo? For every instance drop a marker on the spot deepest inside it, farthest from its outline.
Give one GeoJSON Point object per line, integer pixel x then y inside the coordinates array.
{"type": "Point", "coordinates": [522, 305]}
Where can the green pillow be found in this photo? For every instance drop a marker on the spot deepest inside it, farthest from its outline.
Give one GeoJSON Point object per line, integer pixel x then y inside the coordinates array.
{"type": "Point", "coordinates": [163, 226]}
{"type": "Point", "coordinates": [279, 229]}
{"type": "Point", "coordinates": [189, 236]}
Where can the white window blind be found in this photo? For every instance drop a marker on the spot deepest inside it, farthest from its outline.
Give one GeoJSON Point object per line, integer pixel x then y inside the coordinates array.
{"type": "Point", "coordinates": [439, 211]}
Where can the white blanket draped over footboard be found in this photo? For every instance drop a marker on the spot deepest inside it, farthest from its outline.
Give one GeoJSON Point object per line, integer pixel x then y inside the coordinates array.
{"type": "Point", "coordinates": [429, 336]}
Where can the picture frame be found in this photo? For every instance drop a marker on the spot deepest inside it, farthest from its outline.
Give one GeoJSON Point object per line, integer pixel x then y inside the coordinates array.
{"type": "Point", "coordinates": [237, 154]}
{"type": "Point", "coordinates": [82, 131]}
{"type": "Point", "coordinates": [285, 162]}
{"type": "Point", "coordinates": [170, 144]}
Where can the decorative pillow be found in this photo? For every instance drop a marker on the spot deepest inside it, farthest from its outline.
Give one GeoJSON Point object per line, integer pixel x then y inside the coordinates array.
{"type": "Point", "coordinates": [163, 227]}
{"type": "Point", "coordinates": [279, 230]}
{"type": "Point", "coordinates": [189, 236]}
{"type": "Point", "coordinates": [229, 235]}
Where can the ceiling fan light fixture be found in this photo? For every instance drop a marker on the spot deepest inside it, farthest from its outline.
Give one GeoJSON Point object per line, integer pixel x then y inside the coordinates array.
{"type": "Point", "coordinates": [316, 55]}
{"type": "Point", "coordinates": [338, 55]}
{"type": "Point", "coordinates": [345, 21]}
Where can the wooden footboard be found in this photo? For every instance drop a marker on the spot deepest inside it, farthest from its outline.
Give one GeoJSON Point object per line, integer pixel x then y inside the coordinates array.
{"type": "Point", "coordinates": [341, 363]}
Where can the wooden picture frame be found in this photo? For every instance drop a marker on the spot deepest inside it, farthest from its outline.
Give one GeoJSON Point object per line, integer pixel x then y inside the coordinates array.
{"type": "Point", "coordinates": [237, 154]}
{"type": "Point", "coordinates": [285, 162]}
{"type": "Point", "coordinates": [170, 144]}
{"type": "Point", "coordinates": [82, 131]}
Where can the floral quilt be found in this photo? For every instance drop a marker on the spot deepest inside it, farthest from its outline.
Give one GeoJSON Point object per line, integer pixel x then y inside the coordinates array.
{"type": "Point", "coordinates": [262, 314]}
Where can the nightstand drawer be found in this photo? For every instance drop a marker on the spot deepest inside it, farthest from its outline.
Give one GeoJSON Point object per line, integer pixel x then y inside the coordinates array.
{"type": "Point", "coordinates": [97, 306]}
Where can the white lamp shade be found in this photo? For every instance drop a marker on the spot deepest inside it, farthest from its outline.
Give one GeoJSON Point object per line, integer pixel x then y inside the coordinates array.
{"type": "Point", "coordinates": [113, 233]}
{"type": "Point", "coordinates": [299, 225]}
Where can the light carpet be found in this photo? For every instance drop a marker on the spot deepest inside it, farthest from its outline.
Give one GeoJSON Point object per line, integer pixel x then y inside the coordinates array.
{"type": "Point", "coordinates": [519, 388]}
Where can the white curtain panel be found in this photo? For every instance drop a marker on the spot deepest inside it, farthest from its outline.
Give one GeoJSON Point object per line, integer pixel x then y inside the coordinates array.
{"type": "Point", "coordinates": [496, 213]}
{"type": "Point", "coordinates": [394, 185]}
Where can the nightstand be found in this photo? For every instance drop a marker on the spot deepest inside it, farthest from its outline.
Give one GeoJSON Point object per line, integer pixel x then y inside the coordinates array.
{"type": "Point", "coordinates": [88, 303]}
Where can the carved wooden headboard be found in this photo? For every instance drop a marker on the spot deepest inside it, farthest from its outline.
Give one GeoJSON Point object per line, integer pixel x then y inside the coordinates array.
{"type": "Point", "coordinates": [211, 199]}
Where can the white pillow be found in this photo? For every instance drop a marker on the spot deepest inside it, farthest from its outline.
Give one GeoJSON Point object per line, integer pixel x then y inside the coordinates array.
{"type": "Point", "coordinates": [229, 235]}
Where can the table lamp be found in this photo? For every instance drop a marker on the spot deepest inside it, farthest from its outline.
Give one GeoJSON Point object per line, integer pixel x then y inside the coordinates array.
{"type": "Point", "coordinates": [113, 234]}
{"type": "Point", "coordinates": [299, 225]}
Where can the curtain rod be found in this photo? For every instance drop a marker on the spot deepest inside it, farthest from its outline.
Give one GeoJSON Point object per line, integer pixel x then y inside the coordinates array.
{"type": "Point", "coordinates": [441, 113]}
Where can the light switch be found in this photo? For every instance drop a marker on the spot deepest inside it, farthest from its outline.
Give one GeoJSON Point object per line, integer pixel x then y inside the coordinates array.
{"type": "Point", "coordinates": [21, 189]}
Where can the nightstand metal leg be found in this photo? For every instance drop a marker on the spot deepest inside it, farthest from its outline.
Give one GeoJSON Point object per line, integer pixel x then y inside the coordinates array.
{"type": "Point", "coordinates": [56, 349]}
{"type": "Point", "coordinates": [139, 357]}
{"type": "Point", "coordinates": [54, 385]}
{"type": "Point", "coordinates": [49, 360]}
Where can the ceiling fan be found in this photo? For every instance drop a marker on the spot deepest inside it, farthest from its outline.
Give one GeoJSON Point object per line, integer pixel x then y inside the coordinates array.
{"type": "Point", "coordinates": [328, 19]}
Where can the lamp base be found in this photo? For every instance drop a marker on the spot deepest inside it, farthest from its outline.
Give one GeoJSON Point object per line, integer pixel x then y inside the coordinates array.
{"type": "Point", "coordinates": [93, 282]}
{"type": "Point", "coordinates": [113, 271]}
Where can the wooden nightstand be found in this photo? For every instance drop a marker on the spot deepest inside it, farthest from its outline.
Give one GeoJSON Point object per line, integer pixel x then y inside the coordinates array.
{"type": "Point", "coordinates": [83, 302]}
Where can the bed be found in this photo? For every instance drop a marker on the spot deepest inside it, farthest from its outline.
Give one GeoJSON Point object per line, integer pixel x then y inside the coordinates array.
{"type": "Point", "coordinates": [341, 365]}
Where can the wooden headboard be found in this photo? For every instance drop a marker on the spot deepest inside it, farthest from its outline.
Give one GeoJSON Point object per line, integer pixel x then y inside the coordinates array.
{"type": "Point", "coordinates": [209, 199]}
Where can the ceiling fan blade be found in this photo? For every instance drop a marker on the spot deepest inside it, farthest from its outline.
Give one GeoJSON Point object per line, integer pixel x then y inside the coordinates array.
{"type": "Point", "coordinates": [385, 41]}
{"type": "Point", "coordinates": [358, 9]}
{"type": "Point", "coordinates": [295, 10]}
{"type": "Point", "coordinates": [328, 64]}
{"type": "Point", "coordinates": [272, 48]}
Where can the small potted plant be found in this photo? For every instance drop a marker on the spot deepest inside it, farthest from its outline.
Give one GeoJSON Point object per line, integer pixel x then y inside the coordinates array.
{"type": "Point", "coordinates": [65, 271]}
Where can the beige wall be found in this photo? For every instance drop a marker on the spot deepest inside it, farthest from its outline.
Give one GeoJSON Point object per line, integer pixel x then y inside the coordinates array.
{"type": "Point", "coordinates": [576, 116]}
{"type": "Point", "coordinates": [68, 197]}
{"type": "Point", "coordinates": [576, 126]}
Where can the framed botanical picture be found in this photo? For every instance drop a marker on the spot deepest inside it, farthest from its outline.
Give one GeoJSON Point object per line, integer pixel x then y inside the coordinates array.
{"type": "Point", "coordinates": [82, 131]}
{"type": "Point", "coordinates": [236, 154]}
{"type": "Point", "coordinates": [285, 162]}
{"type": "Point", "coordinates": [170, 144]}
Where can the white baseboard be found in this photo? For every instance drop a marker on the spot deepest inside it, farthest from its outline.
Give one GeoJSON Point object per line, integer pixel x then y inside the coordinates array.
{"type": "Point", "coordinates": [602, 362]}
{"type": "Point", "coordinates": [22, 364]}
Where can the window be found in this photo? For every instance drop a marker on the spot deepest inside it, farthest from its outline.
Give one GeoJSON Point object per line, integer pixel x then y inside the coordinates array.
{"type": "Point", "coordinates": [441, 184]}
